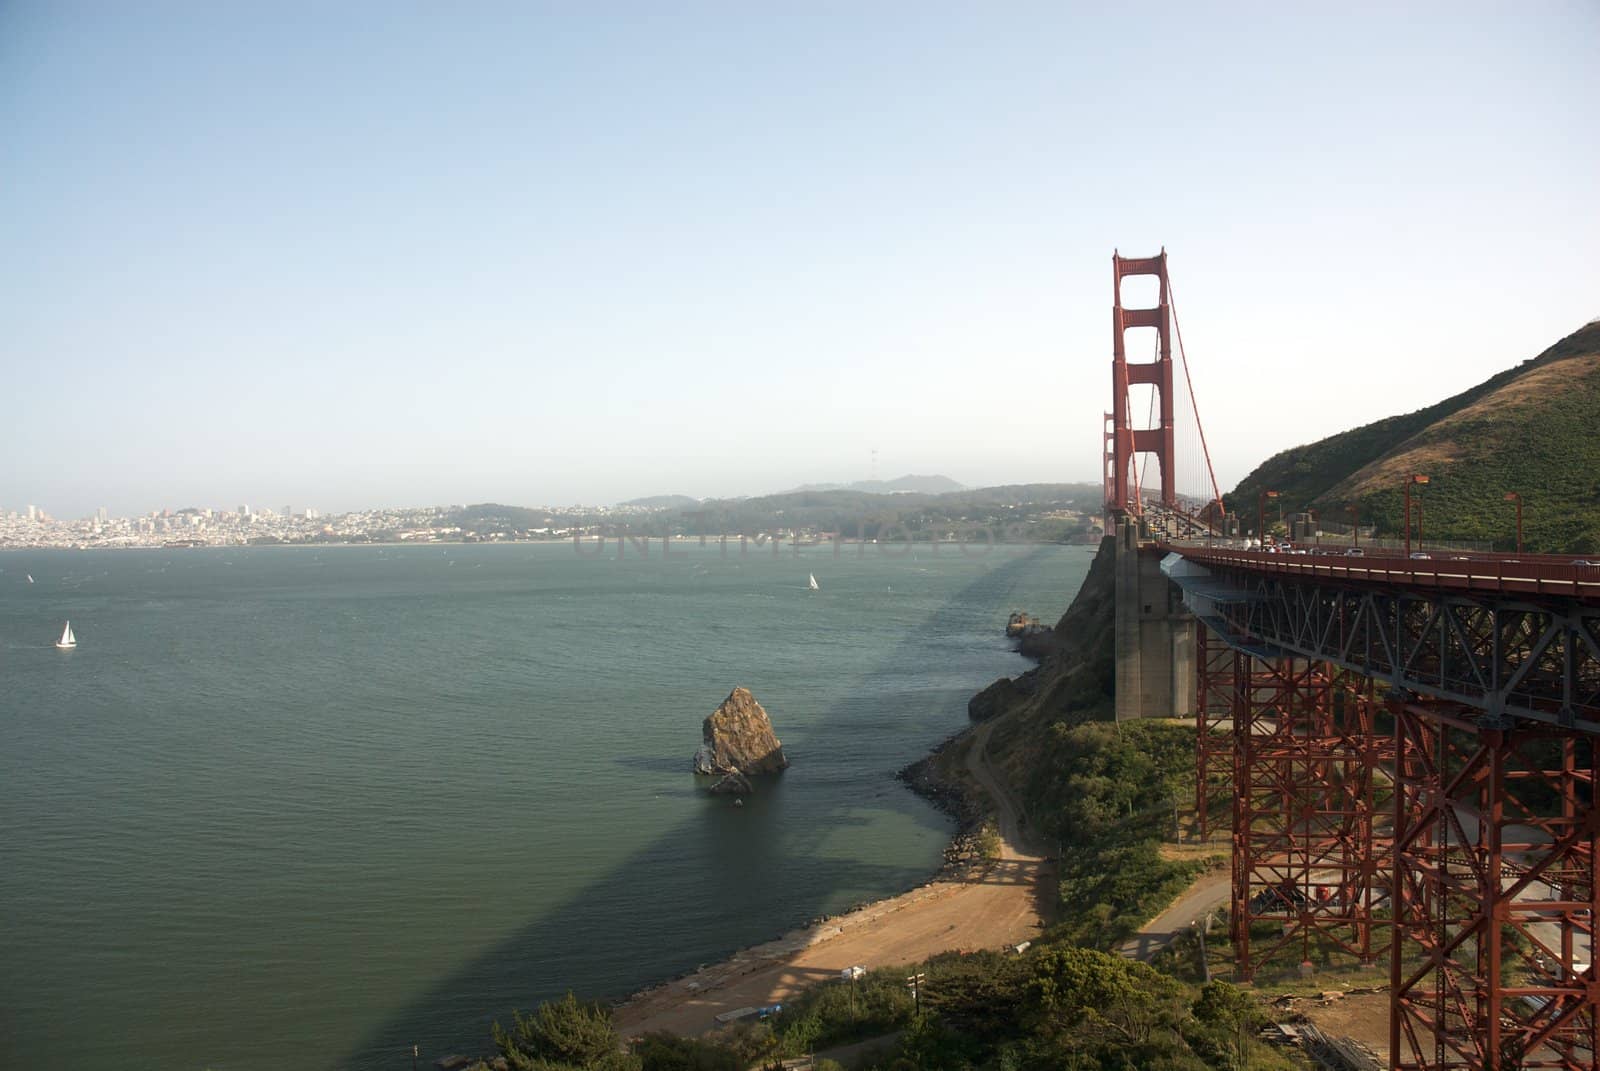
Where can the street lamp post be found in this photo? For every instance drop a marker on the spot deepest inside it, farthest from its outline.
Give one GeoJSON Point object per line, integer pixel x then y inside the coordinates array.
{"type": "Point", "coordinates": [1512, 496]}
{"type": "Point", "coordinates": [1414, 478]}
{"type": "Point", "coordinates": [1355, 524]}
{"type": "Point", "coordinates": [1261, 514]}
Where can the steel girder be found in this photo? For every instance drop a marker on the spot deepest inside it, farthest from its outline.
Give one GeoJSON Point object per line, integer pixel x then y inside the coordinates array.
{"type": "Point", "coordinates": [1213, 712]}
{"type": "Point", "coordinates": [1494, 864]}
{"type": "Point", "coordinates": [1305, 857]}
{"type": "Point", "coordinates": [1532, 660]}
{"type": "Point", "coordinates": [1496, 871]}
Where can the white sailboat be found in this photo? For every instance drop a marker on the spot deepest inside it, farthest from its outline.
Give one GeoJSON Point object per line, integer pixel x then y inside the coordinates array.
{"type": "Point", "coordinates": [67, 641]}
{"type": "Point", "coordinates": [811, 581]}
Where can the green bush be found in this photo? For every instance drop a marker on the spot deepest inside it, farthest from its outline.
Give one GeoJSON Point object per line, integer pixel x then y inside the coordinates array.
{"type": "Point", "coordinates": [666, 1052]}
{"type": "Point", "coordinates": [840, 1012]}
{"type": "Point", "coordinates": [1108, 892]}
{"type": "Point", "coordinates": [1105, 793]}
{"type": "Point", "coordinates": [989, 845]}
{"type": "Point", "coordinates": [561, 1035]}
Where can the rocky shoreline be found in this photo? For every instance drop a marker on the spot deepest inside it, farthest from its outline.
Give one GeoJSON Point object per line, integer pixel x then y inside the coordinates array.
{"type": "Point", "coordinates": [963, 861]}
{"type": "Point", "coordinates": [954, 797]}
{"type": "Point", "coordinates": [1071, 650]}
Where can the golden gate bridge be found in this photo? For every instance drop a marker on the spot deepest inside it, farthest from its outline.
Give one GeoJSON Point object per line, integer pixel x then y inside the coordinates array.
{"type": "Point", "coordinates": [1408, 744]}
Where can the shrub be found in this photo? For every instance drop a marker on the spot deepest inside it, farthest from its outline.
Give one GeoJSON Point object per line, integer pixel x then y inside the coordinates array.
{"type": "Point", "coordinates": [563, 1034]}
{"type": "Point", "coordinates": [665, 1052]}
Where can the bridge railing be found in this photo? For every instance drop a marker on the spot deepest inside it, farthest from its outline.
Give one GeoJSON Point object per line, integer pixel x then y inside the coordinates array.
{"type": "Point", "coordinates": [1524, 574]}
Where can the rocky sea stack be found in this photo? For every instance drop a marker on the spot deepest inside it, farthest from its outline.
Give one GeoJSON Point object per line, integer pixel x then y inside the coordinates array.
{"type": "Point", "coordinates": [734, 784]}
{"type": "Point", "coordinates": [738, 738]}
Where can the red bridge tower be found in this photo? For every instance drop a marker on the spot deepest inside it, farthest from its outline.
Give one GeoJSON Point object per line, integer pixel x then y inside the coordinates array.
{"type": "Point", "coordinates": [1124, 441]}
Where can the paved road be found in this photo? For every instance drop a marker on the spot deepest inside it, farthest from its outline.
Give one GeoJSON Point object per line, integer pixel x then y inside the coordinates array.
{"type": "Point", "coordinates": [1209, 892]}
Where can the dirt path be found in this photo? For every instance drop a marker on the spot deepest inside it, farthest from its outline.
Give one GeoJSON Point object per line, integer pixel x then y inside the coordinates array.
{"type": "Point", "coordinates": [997, 909]}
{"type": "Point", "coordinates": [1008, 813]}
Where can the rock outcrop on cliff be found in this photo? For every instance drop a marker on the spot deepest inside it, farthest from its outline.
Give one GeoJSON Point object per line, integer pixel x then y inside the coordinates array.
{"type": "Point", "coordinates": [1019, 622]}
{"type": "Point", "coordinates": [1037, 642]}
{"type": "Point", "coordinates": [993, 700]}
{"type": "Point", "coordinates": [1034, 639]}
{"type": "Point", "coordinates": [738, 738]}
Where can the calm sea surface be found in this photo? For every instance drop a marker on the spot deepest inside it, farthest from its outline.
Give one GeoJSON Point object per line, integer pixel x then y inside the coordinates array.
{"type": "Point", "coordinates": [304, 807]}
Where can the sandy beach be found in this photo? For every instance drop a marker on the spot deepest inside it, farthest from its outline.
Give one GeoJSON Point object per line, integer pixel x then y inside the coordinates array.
{"type": "Point", "coordinates": [991, 906]}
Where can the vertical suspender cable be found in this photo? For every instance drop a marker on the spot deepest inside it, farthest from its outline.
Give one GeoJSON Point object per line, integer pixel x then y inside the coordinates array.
{"type": "Point", "coordinates": [1195, 402]}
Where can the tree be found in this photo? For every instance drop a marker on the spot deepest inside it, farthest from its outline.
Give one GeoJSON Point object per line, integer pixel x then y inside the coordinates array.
{"type": "Point", "coordinates": [665, 1052]}
{"type": "Point", "coordinates": [563, 1034]}
{"type": "Point", "coordinates": [1225, 1018]}
{"type": "Point", "coordinates": [1102, 998]}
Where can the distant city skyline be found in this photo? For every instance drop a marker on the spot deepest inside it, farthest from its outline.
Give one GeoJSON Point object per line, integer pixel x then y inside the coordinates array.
{"type": "Point", "coordinates": [379, 255]}
{"type": "Point", "coordinates": [101, 513]}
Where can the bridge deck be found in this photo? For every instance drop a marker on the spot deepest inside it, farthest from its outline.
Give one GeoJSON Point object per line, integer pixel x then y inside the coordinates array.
{"type": "Point", "coordinates": [1532, 575]}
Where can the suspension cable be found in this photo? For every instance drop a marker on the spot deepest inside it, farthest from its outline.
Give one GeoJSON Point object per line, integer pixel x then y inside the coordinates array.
{"type": "Point", "coordinates": [1172, 299]}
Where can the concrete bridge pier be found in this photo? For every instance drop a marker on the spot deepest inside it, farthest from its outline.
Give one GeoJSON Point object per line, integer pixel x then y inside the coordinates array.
{"type": "Point", "coordinates": [1155, 633]}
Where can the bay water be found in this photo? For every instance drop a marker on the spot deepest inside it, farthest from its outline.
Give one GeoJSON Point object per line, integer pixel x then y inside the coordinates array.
{"type": "Point", "coordinates": [311, 806]}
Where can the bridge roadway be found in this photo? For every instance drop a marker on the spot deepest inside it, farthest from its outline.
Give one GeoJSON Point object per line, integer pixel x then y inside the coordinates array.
{"type": "Point", "coordinates": [1559, 576]}
{"type": "Point", "coordinates": [1504, 634]}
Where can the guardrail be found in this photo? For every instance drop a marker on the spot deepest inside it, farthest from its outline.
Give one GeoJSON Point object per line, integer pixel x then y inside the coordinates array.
{"type": "Point", "coordinates": [1525, 574]}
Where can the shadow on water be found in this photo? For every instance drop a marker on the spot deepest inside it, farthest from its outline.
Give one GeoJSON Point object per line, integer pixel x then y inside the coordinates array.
{"type": "Point", "coordinates": [744, 847]}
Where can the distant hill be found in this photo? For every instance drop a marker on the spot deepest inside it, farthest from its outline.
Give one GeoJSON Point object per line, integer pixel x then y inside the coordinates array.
{"type": "Point", "coordinates": [661, 502]}
{"type": "Point", "coordinates": [492, 516]}
{"type": "Point", "coordinates": [1037, 507]}
{"type": "Point", "coordinates": [927, 485]}
{"type": "Point", "coordinates": [1533, 429]}
{"type": "Point", "coordinates": [1032, 512]}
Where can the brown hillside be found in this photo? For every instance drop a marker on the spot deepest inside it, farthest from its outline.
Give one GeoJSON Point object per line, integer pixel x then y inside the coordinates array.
{"type": "Point", "coordinates": [1459, 438]}
{"type": "Point", "coordinates": [1533, 429]}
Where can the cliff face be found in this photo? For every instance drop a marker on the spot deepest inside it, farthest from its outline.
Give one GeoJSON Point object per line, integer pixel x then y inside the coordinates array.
{"type": "Point", "coordinates": [738, 737]}
{"type": "Point", "coordinates": [1072, 684]}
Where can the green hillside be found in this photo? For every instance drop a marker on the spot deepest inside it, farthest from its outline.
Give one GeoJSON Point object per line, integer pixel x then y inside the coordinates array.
{"type": "Point", "coordinates": [1033, 512]}
{"type": "Point", "coordinates": [1533, 429]}
{"type": "Point", "coordinates": [1028, 511]}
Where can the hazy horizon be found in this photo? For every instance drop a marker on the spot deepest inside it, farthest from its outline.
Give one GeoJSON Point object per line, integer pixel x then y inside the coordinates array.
{"type": "Point", "coordinates": [389, 255]}
{"type": "Point", "coordinates": [299, 506]}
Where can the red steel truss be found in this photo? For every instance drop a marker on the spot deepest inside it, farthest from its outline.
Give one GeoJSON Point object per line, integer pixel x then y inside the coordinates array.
{"type": "Point", "coordinates": [1496, 871]}
{"type": "Point", "coordinates": [1128, 441]}
{"type": "Point", "coordinates": [1213, 713]}
{"type": "Point", "coordinates": [1306, 854]}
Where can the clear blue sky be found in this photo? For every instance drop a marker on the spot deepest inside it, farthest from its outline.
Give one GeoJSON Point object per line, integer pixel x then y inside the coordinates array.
{"type": "Point", "coordinates": [403, 253]}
